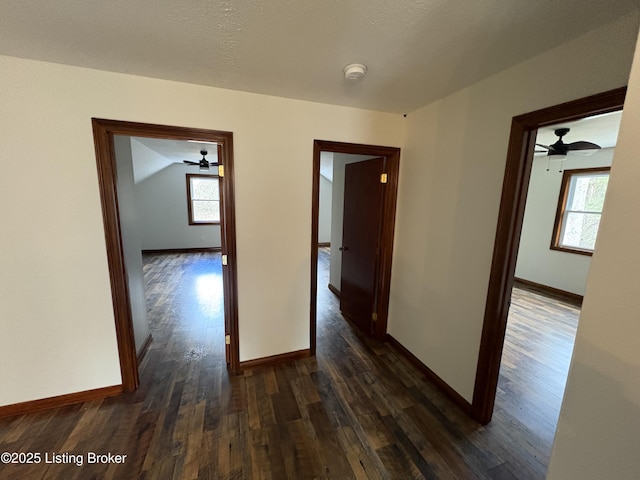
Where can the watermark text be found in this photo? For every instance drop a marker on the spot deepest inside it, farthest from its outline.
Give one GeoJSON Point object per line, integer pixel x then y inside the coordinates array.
{"type": "Point", "coordinates": [62, 458]}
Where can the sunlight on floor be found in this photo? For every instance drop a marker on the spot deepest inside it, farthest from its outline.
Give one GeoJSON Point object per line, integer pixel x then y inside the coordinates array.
{"type": "Point", "coordinates": [209, 293]}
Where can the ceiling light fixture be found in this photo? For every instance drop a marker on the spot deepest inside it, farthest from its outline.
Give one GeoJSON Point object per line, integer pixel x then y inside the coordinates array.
{"type": "Point", "coordinates": [354, 71]}
{"type": "Point", "coordinates": [204, 164]}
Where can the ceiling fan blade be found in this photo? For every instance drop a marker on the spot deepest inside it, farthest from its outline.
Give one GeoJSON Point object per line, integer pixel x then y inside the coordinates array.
{"type": "Point", "coordinates": [583, 153]}
{"type": "Point", "coordinates": [551, 149]}
{"type": "Point", "coordinates": [188, 162]}
{"type": "Point", "coordinates": [208, 165]}
{"type": "Point", "coordinates": [582, 146]}
{"type": "Point", "coordinates": [539, 151]}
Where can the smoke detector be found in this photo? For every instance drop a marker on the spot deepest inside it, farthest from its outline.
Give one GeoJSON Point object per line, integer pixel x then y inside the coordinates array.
{"type": "Point", "coordinates": [354, 71]}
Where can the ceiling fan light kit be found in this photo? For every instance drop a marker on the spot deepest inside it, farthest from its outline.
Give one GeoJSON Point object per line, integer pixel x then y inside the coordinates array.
{"type": "Point", "coordinates": [354, 71]}
{"type": "Point", "coordinates": [561, 149]}
{"type": "Point", "coordinates": [204, 164]}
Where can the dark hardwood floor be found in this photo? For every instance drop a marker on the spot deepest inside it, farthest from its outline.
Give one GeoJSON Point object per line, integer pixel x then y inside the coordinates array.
{"type": "Point", "coordinates": [357, 410]}
{"type": "Point", "coordinates": [535, 363]}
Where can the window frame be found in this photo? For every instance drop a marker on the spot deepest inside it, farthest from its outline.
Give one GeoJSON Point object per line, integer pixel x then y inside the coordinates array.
{"type": "Point", "coordinates": [190, 200]}
{"type": "Point", "coordinates": [559, 223]}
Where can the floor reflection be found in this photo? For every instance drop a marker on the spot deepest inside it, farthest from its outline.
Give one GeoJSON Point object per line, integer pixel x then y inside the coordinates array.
{"type": "Point", "coordinates": [208, 288]}
{"type": "Point", "coordinates": [185, 303]}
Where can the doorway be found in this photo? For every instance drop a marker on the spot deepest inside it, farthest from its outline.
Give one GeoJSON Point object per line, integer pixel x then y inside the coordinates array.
{"type": "Point", "coordinates": [520, 154]}
{"type": "Point", "coordinates": [381, 267]}
{"type": "Point", "coordinates": [104, 132]}
{"type": "Point", "coordinates": [550, 279]}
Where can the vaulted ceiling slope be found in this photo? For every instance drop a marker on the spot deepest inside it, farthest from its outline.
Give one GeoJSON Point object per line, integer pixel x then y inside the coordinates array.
{"type": "Point", "coordinates": [417, 51]}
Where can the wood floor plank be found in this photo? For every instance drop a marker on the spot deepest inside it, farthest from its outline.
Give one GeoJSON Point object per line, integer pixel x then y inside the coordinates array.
{"type": "Point", "coordinates": [361, 460]}
{"type": "Point", "coordinates": [307, 462]}
{"type": "Point", "coordinates": [332, 457]}
{"type": "Point", "coordinates": [259, 446]}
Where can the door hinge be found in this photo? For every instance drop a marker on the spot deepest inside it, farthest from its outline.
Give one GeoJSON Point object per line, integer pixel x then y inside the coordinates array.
{"type": "Point", "coordinates": [221, 170]}
{"type": "Point", "coordinates": [374, 316]}
{"type": "Point", "coordinates": [227, 339]}
{"type": "Point", "coordinates": [383, 178]}
{"type": "Point", "coordinates": [224, 260]}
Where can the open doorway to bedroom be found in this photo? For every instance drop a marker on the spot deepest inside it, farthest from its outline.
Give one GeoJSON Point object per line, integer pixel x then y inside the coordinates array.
{"type": "Point", "coordinates": [189, 272]}
{"type": "Point", "coordinates": [173, 219]}
{"type": "Point", "coordinates": [332, 249]}
{"type": "Point", "coordinates": [518, 172]}
{"type": "Point", "coordinates": [354, 193]}
{"type": "Point", "coordinates": [561, 217]}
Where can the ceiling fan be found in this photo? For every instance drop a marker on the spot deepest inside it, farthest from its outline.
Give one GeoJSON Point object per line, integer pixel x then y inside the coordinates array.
{"type": "Point", "coordinates": [561, 148]}
{"type": "Point", "coordinates": [204, 164]}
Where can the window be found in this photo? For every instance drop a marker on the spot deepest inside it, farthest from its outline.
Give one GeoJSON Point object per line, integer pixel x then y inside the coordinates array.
{"type": "Point", "coordinates": [579, 210]}
{"type": "Point", "coordinates": [203, 199]}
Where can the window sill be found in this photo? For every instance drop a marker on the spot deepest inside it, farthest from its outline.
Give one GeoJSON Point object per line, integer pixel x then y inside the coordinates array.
{"type": "Point", "coordinates": [588, 253]}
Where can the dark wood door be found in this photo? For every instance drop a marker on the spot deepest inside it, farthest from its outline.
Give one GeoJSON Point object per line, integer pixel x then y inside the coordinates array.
{"type": "Point", "coordinates": [363, 197]}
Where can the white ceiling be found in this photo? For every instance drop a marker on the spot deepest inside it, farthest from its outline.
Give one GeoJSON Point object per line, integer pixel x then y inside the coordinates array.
{"type": "Point", "coordinates": [178, 150]}
{"type": "Point", "coordinates": [166, 153]}
{"type": "Point", "coordinates": [416, 51]}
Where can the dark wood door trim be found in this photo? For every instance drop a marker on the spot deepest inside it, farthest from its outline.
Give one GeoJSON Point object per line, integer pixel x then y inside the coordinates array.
{"type": "Point", "coordinates": [392, 155]}
{"type": "Point", "coordinates": [514, 194]}
{"type": "Point", "coordinates": [103, 132]}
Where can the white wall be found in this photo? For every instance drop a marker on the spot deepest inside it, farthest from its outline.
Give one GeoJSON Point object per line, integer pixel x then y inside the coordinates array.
{"type": "Point", "coordinates": [451, 174]}
{"type": "Point", "coordinates": [598, 432]}
{"type": "Point", "coordinates": [337, 201]}
{"type": "Point", "coordinates": [536, 261]}
{"type": "Point", "coordinates": [324, 213]}
{"type": "Point", "coordinates": [129, 221]}
{"type": "Point", "coordinates": [52, 246]}
{"type": "Point", "coordinates": [161, 201]}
